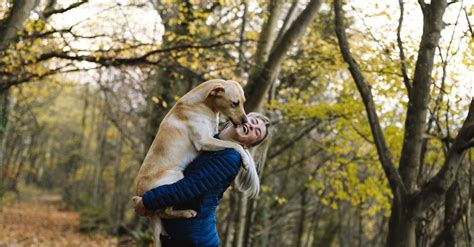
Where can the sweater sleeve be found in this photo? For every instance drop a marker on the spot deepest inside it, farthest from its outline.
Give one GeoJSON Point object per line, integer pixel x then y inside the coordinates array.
{"type": "Point", "coordinates": [211, 170]}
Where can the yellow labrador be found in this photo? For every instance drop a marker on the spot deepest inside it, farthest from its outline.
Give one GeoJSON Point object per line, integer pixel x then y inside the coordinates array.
{"type": "Point", "coordinates": [187, 129]}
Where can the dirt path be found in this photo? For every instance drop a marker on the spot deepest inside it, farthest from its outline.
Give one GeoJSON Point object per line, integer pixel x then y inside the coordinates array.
{"type": "Point", "coordinates": [40, 222]}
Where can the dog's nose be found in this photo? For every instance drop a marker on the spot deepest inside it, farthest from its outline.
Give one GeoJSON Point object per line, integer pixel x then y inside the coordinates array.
{"type": "Point", "coordinates": [244, 119]}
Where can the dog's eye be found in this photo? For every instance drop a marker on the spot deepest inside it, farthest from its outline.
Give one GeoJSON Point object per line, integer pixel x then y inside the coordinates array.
{"type": "Point", "coordinates": [235, 103]}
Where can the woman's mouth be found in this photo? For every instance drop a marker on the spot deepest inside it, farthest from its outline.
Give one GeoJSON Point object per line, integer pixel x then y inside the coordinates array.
{"type": "Point", "coordinates": [245, 128]}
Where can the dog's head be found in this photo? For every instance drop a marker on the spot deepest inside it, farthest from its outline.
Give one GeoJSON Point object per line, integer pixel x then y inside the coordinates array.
{"type": "Point", "coordinates": [228, 98]}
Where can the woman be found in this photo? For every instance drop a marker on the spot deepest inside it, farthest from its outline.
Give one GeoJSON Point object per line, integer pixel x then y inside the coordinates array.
{"type": "Point", "coordinates": [205, 180]}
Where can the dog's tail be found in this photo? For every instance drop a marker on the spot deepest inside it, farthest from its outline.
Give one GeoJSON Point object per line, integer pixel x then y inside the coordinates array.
{"type": "Point", "coordinates": [247, 180]}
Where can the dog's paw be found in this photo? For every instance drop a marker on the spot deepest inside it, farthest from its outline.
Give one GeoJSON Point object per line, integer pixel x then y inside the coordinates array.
{"type": "Point", "coordinates": [189, 213]}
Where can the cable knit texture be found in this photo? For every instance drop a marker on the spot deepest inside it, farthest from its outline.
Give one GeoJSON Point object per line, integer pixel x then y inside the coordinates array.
{"type": "Point", "coordinates": [201, 189]}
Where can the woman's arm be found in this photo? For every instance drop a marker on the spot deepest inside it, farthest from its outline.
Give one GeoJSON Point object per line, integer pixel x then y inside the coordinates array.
{"type": "Point", "coordinates": [213, 169]}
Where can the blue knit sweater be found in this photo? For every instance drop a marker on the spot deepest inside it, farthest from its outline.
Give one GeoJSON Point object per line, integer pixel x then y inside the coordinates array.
{"type": "Point", "coordinates": [205, 180]}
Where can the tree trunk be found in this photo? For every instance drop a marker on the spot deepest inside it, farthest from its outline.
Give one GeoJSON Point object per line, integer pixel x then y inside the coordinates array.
{"type": "Point", "coordinates": [9, 29]}
{"type": "Point", "coordinates": [260, 79]}
{"type": "Point", "coordinates": [451, 211]}
{"type": "Point", "coordinates": [4, 127]}
{"type": "Point", "coordinates": [117, 207]}
{"type": "Point", "coordinates": [302, 219]}
{"type": "Point", "coordinates": [231, 220]}
{"type": "Point", "coordinates": [415, 123]}
{"type": "Point", "coordinates": [270, 56]}
{"type": "Point", "coordinates": [14, 22]}
{"type": "Point", "coordinates": [101, 140]}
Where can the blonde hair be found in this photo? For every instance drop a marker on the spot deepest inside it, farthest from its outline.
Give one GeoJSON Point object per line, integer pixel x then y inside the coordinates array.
{"type": "Point", "coordinates": [247, 180]}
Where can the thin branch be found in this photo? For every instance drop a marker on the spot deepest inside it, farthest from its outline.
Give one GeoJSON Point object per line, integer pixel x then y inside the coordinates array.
{"type": "Point", "coordinates": [406, 79]}
{"type": "Point", "coordinates": [365, 137]}
{"type": "Point", "coordinates": [298, 162]}
{"type": "Point", "coordinates": [51, 12]}
{"type": "Point", "coordinates": [380, 44]}
{"type": "Point", "coordinates": [453, 2]}
{"type": "Point", "coordinates": [116, 122]}
{"type": "Point", "coordinates": [468, 23]}
{"type": "Point", "coordinates": [4, 85]}
{"type": "Point", "coordinates": [293, 141]}
{"type": "Point", "coordinates": [437, 187]}
{"type": "Point", "coordinates": [111, 61]}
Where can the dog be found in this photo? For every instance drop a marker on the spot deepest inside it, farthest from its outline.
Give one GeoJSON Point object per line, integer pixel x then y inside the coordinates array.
{"type": "Point", "coordinates": [186, 130]}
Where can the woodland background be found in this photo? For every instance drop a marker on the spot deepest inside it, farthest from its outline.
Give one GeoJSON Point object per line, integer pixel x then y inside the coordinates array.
{"type": "Point", "coordinates": [371, 103]}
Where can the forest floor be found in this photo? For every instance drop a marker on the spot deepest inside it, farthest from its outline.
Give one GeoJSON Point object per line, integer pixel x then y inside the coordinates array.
{"type": "Point", "coordinates": [41, 221]}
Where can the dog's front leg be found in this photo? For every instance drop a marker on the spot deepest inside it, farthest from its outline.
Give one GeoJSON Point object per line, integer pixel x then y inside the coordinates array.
{"type": "Point", "coordinates": [213, 144]}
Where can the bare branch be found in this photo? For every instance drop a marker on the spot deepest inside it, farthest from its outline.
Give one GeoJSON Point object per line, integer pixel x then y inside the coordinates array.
{"type": "Point", "coordinates": [5, 85]}
{"type": "Point", "coordinates": [406, 79]}
{"type": "Point", "coordinates": [112, 61]}
{"type": "Point", "coordinates": [468, 23]}
{"type": "Point", "coordinates": [452, 2]}
{"type": "Point", "coordinates": [437, 187]}
{"type": "Point", "coordinates": [49, 12]}
{"type": "Point", "coordinates": [293, 141]}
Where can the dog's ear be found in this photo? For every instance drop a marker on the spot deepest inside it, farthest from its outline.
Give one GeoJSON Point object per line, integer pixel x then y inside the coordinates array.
{"type": "Point", "coordinates": [217, 90]}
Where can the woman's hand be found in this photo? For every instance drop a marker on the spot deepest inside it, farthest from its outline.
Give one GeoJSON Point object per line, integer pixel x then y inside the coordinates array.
{"type": "Point", "coordinates": [140, 208]}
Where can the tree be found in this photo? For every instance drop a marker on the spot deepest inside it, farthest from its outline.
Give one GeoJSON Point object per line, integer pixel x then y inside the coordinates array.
{"type": "Point", "coordinates": [411, 202]}
{"type": "Point", "coordinates": [271, 50]}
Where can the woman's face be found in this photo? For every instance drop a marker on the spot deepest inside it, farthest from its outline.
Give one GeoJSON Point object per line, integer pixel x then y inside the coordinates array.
{"type": "Point", "coordinates": [248, 133]}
